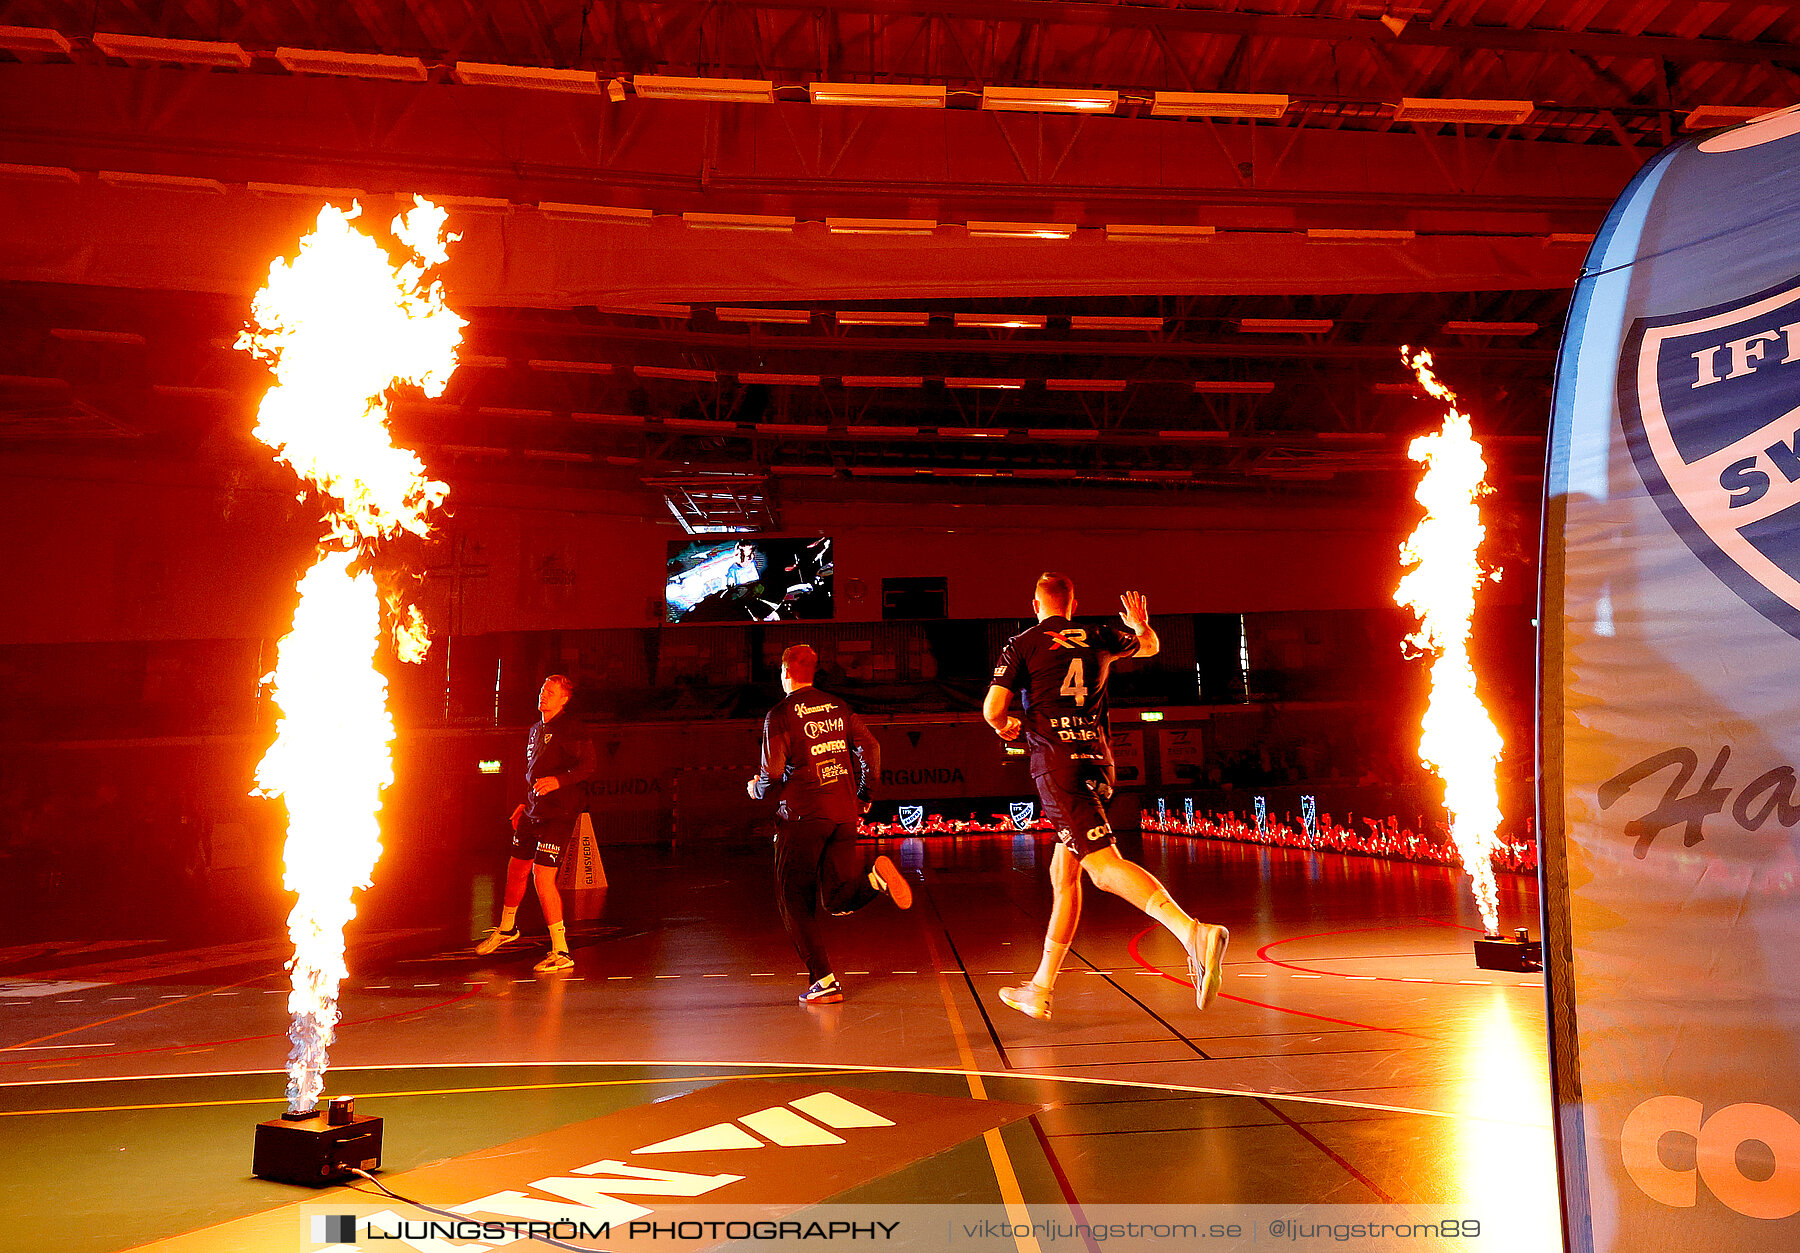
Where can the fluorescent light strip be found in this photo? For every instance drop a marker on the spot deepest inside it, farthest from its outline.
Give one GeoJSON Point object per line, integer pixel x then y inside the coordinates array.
{"type": "Point", "coordinates": [1201, 435]}
{"type": "Point", "coordinates": [144, 50]}
{"type": "Point", "coordinates": [166, 182]}
{"type": "Point", "coordinates": [881, 226]}
{"type": "Point", "coordinates": [309, 193]}
{"type": "Point", "coordinates": [532, 77]}
{"type": "Point", "coordinates": [352, 64]}
{"type": "Point", "coordinates": [882, 317]}
{"type": "Point", "coordinates": [1085, 385]}
{"type": "Point", "coordinates": [1490, 328]}
{"type": "Point", "coordinates": [675, 372]}
{"type": "Point", "coordinates": [882, 380]}
{"type": "Point", "coordinates": [1153, 232]}
{"type": "Point", "coordinates": [718, 90]}
{"type": "Point", "coordinates": [1005, 385]}
{"type": "Point", "coordinates": [595, 213]}
{"type": "Point", "coordinates": [698, 424]}
{"type": "Point", "coordinates": [1048, 100]}
{"type": "Point", "coordinates": [879, 432]}
{"type": "Point", "coordinates": [471, 204]}
{"type": "Point", "coordinates": [40, 173]}
{"type": "Point", "coordinates": [1022, 230]}
{"type": "Point", "coordinates": [646, 310]}
{"type": "Point", "coordinates": [879, 95]}
{"type": "Point", "coordinates": [974, 432]}
{"type": "Point", "coordinates": [1284, 326]}
{"type": "Point", "coordinates": [1002, 321]}
{"type": "Point", "coordinates": [1085, 322]}
{"type": "Point", "coordinates": [1479, 112]}
{"type": "Point", "coordinates": [569, 367]}
{"type": "Point", "coordinates": [792, 317]}
{"type": "Point", "coordinates": [1217, 104]}
{"type": "Point", "coordinates": [1228, 387]}
{"type": "Point", "coordinates": [33, 39]}
{"type": "Point", "coordinates": [81, 335]}
{"type": "Point", "coordinates": [738, 221]}
{"type": "Point", "coordinates": [781, 380]}
{"type": "Point", "coordinates": [1708, 117]}
{"type": "Point", "coordinates": [1352, 235]}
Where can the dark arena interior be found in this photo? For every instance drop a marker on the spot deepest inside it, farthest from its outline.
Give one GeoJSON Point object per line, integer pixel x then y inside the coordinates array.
{"type": "Point", "coordinates": [833, 324]}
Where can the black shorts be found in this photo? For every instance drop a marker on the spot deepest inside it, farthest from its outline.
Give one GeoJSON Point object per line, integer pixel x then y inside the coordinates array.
{"type": "Point", "coordinates": [1074, 796]}
{"type": "Point", "coordinates": [542, 842]}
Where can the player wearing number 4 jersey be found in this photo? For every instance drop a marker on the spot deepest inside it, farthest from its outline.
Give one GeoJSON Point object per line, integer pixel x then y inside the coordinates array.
{"type": "Point", "coordinates": [1060, 670]}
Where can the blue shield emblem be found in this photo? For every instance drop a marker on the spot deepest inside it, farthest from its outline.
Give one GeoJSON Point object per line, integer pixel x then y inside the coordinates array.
{"type": "Point", "coordinates": [912, 817]}
{"type": "Point", "coordinates": [1022, 813]}
{"type": "Point", "coordinates": [1710, 403]}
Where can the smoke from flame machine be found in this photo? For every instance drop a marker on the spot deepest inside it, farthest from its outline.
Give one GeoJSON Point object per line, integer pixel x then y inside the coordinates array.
{"type": "Point", "coordinates": [339, 325]}
{"type": "Point", "coordinates": [1459, 741]}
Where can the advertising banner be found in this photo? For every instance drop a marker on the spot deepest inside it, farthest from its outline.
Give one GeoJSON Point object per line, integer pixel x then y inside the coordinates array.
{"type": "Point", "coordinates": [1669, 739]}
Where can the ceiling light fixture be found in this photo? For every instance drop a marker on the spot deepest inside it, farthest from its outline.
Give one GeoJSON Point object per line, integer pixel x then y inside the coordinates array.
{"type": "Point", "coordinates": [548, 366]}
{"type": "Point", "coordinates": [352, 64]}
{"type": "Point", "coordinates": [882, 317]}
{"type": "Point", "coordinates": [1708, 117]}
{"type": "Point", "coordinates": [1085, 322]}
{"type": "Point", "coordinates": [1005, 385]}
{"type": "Point", "coordinates": [783, 380]}
{"type": "Point", "coordinates": [161, 182]}
{"type": "Point", "coordinates": [33, 41]}
{"type": "Point", "coordinates": [1479, 112]}
{"type": "Point", "coordinates": [1048, 100]}
{"type": "Point", "coordinates": [1285, 326]}
{"type": "Point", "coordinates": [882, 380]}
{"type": "Point", "coordinates": [1002, 321]}
{"type": "Point", "coordinates": [1231, 387]}
{"type": "Point", "coordinates": [595, 213]}
{"type": "Point", "coordinates": [534, 77]}
{"type": "Point", "coordinates": [675, 372]}
{"type": "Point", "coordinates": [1021, 230]}
{"type": "Point", "coordinates": [715, 90]}
{"type": "Point", "coordinates": [739, 221]}
{"type": "Point", "coordinates": [879, 95]}
{"type": "Point", "coordinates": [1157, 232]}
{"type": "Point", "coordinates": [881, 226]}
{"type": "Point", "coordinates": [792, 317]}
{"type": "Point", "coordinates": [1490, 328]}
{"type": "Point", "coordinates": [144, 50]}
{"type": "Point", "coordinates": [1356, 235]}
{"type": "Point", "coordinates": [40, 173]}
{"type": "Point", "coordinates": [1085, 385]}
{"type": "Point", "coordinates": [1221, 104]}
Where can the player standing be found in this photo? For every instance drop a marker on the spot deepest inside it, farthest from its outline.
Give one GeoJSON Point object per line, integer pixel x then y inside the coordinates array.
{"type": "Point", "coordinates": [1060, 671]}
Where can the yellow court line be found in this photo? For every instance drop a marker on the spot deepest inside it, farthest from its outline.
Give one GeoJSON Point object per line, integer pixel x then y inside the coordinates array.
{"type": "Point", "coordinates": [370, 1096]}
{"type": "Point", "coordinates": [1004, 1174]}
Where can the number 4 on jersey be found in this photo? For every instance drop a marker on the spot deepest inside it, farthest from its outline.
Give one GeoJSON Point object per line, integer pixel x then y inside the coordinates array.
{"type": "Point", "coordinates": [1075, 682]}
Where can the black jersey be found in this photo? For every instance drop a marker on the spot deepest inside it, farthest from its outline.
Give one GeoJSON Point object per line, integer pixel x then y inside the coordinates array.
{"type": "Point", "coordinates": [821, 753]}
{"type": "Point", "coordinates": [1060, 670]}
{"type": "Point", "coordinates": [559, 747]}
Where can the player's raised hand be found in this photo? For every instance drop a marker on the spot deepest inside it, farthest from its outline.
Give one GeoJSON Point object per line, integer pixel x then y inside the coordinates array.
{"type": "Point", "coordinates": [1136, 613]}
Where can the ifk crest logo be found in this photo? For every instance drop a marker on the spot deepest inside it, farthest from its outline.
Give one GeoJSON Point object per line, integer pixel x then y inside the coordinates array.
{"type": "Point", "coordinates": [912, 817]}
{"type": "Point", "coordinates": [1710, 403]}
{"type": "Point", "coordinates": [1022, 813]}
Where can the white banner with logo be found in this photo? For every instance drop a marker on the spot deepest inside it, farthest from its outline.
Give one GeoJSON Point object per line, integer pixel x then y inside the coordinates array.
{"type": "Point", "coordinates": [1671, 726]}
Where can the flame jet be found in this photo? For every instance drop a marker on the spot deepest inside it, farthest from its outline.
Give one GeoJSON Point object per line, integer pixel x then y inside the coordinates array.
{"type": "Point", "coordinates": [1443, 571]}
{"type": "Point", "coordinates": [339, 325]}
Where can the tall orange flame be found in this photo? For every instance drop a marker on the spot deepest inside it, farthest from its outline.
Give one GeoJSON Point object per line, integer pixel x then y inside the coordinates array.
{"type": "Point", "coordinates": [339, 325]}
{"type": "Point", "coordinates": [1459, 741]}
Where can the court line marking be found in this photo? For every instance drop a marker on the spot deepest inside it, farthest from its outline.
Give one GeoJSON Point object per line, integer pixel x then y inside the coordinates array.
{"type": "Point", "coordinates": [1132, 948]}
{"type": "Point", "coordinates": [509, 1087]}
{"type": "Point", "coordinates": [1263, 953]}
{"type": "Point", "coordinates": [830, 1067]}
{"type": "Point", "coordinates": [161, 1004]}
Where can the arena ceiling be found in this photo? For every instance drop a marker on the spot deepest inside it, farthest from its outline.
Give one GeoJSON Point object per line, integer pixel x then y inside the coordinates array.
{"type": "Point", "coordinates": [744, 242]}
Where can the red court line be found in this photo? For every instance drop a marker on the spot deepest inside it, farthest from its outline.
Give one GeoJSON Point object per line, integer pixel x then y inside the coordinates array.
{"type": "Point", "coordinates": [1263, 953]}
{"type": "Point", "coordinates": [1242, 1000]}
{"type": "Point", "coordinates": [273, 1035]}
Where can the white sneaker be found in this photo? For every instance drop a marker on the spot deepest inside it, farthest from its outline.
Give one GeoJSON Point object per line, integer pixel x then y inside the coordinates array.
{"type": "Point", "coordinates": [1028, 999]}
{"type": "Point", "coordinates": [494, 939]}
{"type": "Point", "coordinates": [553, 961]}
{"type": "Point", "coordinates": [1206, 960]}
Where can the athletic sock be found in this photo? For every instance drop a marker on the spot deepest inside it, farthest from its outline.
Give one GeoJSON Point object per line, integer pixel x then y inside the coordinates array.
{"type": "Point", "coordinates": [509, 918]}
{"type": "Point", "coordinates": [1052, 962]}
{"type": "Point", "coordinates": [1163, 908]}
{"type": "Point", "coordinates": [559, 937]}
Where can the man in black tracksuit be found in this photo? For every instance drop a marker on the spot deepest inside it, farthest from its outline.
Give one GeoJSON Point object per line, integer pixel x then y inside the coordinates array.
{"type": "Point", "coordinates": [559, 757]}
{"type": "Point", "coordinates": [823, 758]}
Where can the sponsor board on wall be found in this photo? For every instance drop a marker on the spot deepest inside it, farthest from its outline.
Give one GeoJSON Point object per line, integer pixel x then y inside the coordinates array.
{"type": "Point", "coordinates": [1670, 735]}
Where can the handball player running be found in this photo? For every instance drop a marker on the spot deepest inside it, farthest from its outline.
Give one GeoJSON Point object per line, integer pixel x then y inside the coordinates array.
{"type": "Point", "coordinates": [1060, 670]}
